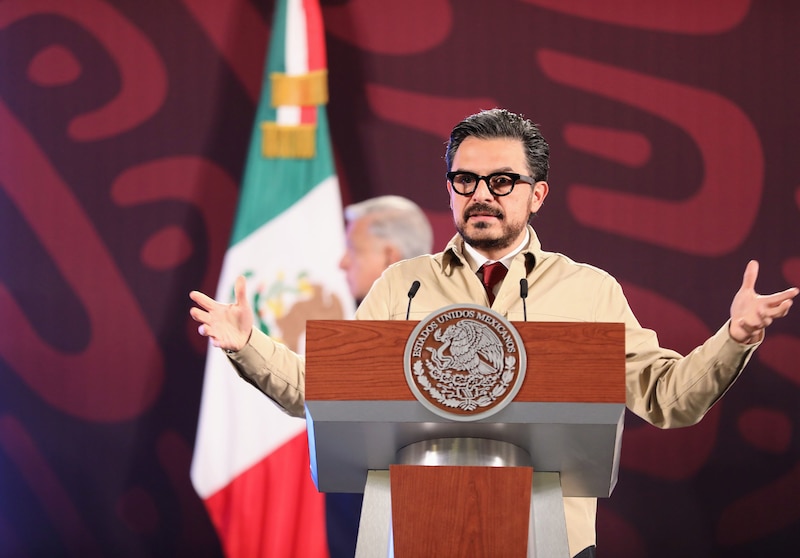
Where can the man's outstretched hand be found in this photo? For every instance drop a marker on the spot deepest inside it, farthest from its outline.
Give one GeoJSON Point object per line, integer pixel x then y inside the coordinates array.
{"type": "Point", "coordinates": [751, 312]}
{"type": "Point", "coordinates": [228, 326]}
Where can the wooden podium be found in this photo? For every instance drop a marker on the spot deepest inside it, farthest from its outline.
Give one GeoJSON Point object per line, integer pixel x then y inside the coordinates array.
{"type": "Point", "coordinates": [368, 433]}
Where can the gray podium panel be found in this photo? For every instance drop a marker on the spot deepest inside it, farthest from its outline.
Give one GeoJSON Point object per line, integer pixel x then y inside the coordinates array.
{"type": "Point", "coordinates": [581, 441]}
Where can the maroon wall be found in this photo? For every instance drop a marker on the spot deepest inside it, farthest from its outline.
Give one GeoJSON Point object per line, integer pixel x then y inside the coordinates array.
{"type": "Point", "coordinates": [123, 129]}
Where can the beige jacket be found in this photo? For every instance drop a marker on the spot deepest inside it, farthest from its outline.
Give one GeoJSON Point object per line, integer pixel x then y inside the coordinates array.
{"type": "Point", "coordinates": [663, 387]}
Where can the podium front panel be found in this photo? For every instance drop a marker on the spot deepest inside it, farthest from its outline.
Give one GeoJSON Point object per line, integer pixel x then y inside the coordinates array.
{"type": "Point", "coordinates": [568, 415]}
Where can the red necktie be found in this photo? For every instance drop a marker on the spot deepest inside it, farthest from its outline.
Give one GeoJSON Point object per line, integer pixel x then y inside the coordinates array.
{"type": "Point", "coordinates": [493, 273]}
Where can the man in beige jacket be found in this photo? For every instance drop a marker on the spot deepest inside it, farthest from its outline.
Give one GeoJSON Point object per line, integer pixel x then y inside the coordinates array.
{"type": "Point", "coordinates": [498, 164]}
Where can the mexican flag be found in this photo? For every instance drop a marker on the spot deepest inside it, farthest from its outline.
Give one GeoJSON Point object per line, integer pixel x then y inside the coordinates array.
{"type": "Point", "coordinates": [251, 462]}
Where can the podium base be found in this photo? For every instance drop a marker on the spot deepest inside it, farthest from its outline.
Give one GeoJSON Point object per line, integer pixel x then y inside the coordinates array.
{"type": "Point", "coordinates": [462, 497]}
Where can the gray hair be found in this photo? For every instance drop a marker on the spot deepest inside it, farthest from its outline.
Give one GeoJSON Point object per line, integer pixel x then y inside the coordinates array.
{"type": "Point", "coordinates": [397, 220]}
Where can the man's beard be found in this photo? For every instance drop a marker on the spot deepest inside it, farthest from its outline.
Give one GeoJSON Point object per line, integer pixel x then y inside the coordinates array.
{"type": "Point", "coordinates": [510, 231]}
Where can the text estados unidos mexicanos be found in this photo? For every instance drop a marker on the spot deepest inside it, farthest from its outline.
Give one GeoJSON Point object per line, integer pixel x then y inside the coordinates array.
{"type": "Point", "coordinates": [508, 339]}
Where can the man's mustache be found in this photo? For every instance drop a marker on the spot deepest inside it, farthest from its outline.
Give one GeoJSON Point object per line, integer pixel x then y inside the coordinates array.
{"type": "Point", "coordinates": [482, 209]}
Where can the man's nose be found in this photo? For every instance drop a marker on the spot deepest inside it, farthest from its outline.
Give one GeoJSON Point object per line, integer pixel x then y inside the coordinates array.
{"type": "Point", "coordinates": [482, 191]}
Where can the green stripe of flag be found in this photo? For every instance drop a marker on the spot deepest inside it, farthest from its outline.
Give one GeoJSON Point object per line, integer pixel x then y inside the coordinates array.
{"type": "Point", "coordinates": [270, 186]}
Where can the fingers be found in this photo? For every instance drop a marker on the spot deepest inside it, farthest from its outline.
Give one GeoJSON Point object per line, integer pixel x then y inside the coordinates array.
{"type": "Point", "coordinates": [787, 295]}
{"type": "Point", "coordinates": [198, 315]}
{"type": "Point", "coordinates": [239, 289]}
{"type": "Point", "coordinates": [783, 308]}
{"type": "Point", "coordinates": [779, 299]}
{"type": "Point", "coordinates": [770, 308]}
{"type": "Point", "coordinates": [205, 330]}
{"type": "Point", "coordinates": [203, 314]}
{"type": "Point", "coordinates": [750, 275]}
{"type": "Point", "coordinates": [204, 301]}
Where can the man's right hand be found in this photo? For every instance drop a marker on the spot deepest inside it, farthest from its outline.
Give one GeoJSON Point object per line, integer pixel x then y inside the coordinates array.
{"type": "Point", "coordinates": [228, 326]}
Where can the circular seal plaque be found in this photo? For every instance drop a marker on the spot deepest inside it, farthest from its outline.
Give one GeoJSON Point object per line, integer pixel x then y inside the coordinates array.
{"type": "Point", "coordinates": [465, 362]}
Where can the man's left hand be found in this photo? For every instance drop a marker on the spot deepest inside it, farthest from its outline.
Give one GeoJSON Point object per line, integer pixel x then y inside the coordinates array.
{"type": "Point", "coordinates": [751, 312]}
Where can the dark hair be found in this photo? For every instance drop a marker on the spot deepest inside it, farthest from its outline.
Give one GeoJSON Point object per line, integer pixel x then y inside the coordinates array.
{"type": "Point", "coordinates": [501, 123]}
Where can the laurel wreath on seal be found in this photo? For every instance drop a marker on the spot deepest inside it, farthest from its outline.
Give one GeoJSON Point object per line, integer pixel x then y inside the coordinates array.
{"type": "Point", "coordinates": [476, 390]}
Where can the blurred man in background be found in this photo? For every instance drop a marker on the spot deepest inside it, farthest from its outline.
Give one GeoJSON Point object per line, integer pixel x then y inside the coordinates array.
{"type": "Point", "coordinates": [380, 232]}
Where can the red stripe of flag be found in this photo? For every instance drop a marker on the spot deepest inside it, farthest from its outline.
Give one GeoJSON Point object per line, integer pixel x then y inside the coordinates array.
{"type": "Point", "coordinates": [253, 520]}
{"type": "Point", "coordinates": [315, 35]}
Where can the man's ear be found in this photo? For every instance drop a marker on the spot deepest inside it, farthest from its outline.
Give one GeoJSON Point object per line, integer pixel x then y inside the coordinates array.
{"type": "Point", "coordinates": [540, 190]}
{"type": "Point", "coordinates": [391, 254]}
{"type": "Point", "coordinates": [449, 195]}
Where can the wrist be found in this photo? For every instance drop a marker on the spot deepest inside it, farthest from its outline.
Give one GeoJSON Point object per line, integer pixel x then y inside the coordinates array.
{"type": "Point", "coordinates": [744, 336]}
{"type": "Point", "coordinates": [239, 346]}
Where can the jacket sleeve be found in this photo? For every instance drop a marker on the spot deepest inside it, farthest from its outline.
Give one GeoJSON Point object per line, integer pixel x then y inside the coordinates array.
{"type": "Point", "coordinates": [665, 388]}
{"type": "Point", "coordinates": [275, 370]}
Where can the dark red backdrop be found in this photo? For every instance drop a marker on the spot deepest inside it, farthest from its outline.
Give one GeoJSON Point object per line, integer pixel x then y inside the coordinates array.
{"type": "Point", "coordinates": [123, 128]}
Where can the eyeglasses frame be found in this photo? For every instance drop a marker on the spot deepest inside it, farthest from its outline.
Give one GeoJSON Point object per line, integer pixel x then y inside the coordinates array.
{"type": "Point", "coordinates": [513, 175]}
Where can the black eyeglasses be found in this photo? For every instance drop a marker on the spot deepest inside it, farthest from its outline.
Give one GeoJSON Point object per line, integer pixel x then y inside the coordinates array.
{"type": "Point", "coordinates": [499, 183]}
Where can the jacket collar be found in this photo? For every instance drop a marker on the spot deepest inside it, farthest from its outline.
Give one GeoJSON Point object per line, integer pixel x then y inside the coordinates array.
{"type": "Point", "coordinates": [454, 254]}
